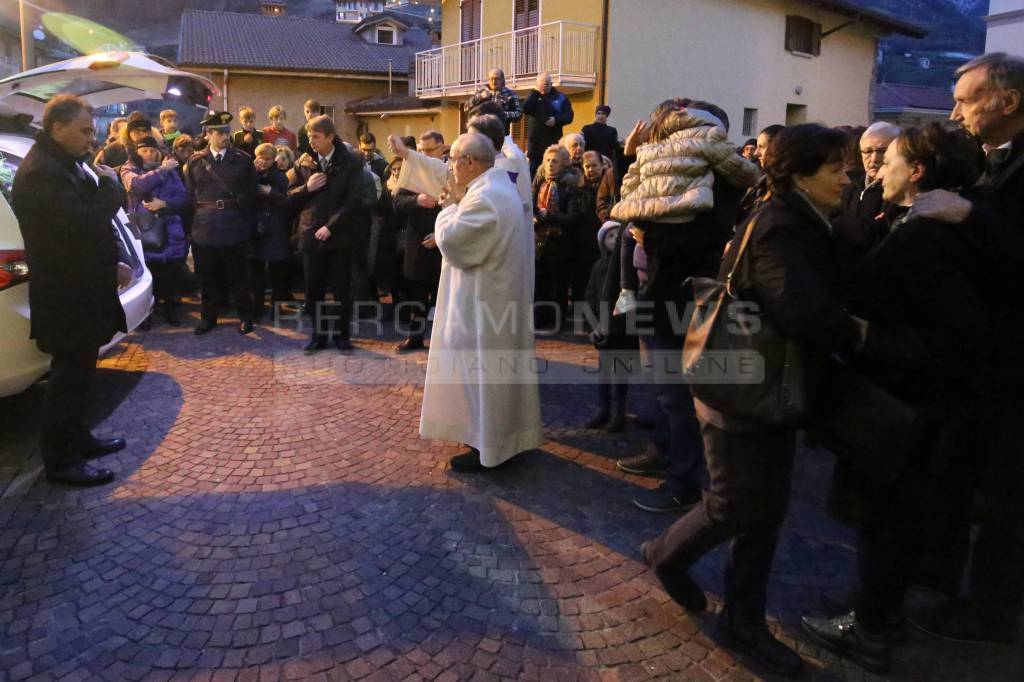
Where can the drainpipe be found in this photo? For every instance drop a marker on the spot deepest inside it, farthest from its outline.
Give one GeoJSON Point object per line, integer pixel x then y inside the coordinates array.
{"type": "Point", "coordinates": [225, 91]}
{"type": "Point", "coordinates": [602, 86]}
{"type": "Point", "coordinates": [389, 76]}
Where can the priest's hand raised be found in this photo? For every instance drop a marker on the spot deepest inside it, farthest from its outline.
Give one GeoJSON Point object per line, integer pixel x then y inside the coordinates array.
{"type": "Point", "coordinates": [397, 147]}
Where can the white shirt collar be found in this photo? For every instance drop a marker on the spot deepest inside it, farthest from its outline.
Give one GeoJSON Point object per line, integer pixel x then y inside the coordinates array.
{"type": "Point", "coordinates": [327, 159]}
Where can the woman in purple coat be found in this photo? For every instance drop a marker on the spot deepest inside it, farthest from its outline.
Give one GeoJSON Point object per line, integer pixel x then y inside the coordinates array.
{"type": "Point", "coordinates": [155, 188]}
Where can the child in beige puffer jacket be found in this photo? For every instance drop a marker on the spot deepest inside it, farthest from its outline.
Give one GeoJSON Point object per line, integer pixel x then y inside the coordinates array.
{"type": "Point", "coordinates": [672, 179]}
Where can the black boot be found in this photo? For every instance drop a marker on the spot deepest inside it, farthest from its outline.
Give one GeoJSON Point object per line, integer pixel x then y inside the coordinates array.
{"type": "Point", "coordinates": [617, 422]}
{"type": "Point", "coordinates": [756, 641]}
{"type": "Point", "coordinates": [170, 312]}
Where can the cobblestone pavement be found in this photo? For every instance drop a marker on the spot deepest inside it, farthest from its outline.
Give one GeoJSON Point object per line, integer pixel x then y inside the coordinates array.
{"type": "Point", "coordinates": [272, 523]}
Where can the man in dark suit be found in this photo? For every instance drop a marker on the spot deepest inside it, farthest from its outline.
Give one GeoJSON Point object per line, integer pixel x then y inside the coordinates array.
{"type": "Point", "coordinates": [73, 255]}
{"type": "Point", "coordinates": [856, 229]}
{"type": "Point", "coordinates": [989, 104]}
{"type": "Point", "coordinates": [421, 265]}
{"type": "Point", "coordinates": [326, 197]}
{"type": "Point", "coordinates": [222, 183]}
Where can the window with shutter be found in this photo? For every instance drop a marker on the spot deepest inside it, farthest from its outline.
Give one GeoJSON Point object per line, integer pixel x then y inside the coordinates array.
{"type": "Point", "coordinates": [527, 13]}
{"type": "Point", "coordinates": [803, 35]}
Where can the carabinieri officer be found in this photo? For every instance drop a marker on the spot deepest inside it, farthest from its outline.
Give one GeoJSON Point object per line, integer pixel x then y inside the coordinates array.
{"type": "Point", "coordinates": [222, 183]}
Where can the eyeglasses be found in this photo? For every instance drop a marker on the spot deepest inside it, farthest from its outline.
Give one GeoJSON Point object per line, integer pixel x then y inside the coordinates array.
{"type": "Point", "coordinates": [872, 152]}
{"type": "Point", "coordinates": [429, 150]}
{"type": "Point", "coordinates": [452, 160]}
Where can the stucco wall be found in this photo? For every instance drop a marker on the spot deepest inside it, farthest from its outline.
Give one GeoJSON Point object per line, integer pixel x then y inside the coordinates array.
{"type": "Point", "coordinates": [264, 91]}
{"type": "Point", "coordinates": [400, 125]}
{"type": "Point", "coordinates": [1005, 34]}
{"type": "Point", "coordinates": [733, 53]}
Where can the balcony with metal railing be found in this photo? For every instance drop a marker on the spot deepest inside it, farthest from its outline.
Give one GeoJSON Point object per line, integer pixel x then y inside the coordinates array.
{"type": "Point", "coordinates": [567, 50]}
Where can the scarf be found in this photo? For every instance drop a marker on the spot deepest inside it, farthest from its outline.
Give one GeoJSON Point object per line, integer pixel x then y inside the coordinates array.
{"type": "Point", "coordinates": [547, 195]}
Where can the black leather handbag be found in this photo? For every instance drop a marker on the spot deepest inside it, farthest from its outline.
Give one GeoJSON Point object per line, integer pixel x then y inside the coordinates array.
{"type": "Point", "coordinates": [734, 358]}
{"type": "Point", "coordinates": [152, 229]}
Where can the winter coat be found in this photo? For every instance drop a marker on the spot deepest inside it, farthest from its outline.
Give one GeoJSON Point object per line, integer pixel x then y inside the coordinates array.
{"type": "Point", "coordinates": [71, 249]}
{"type": "Point", "coordinates": [419, 264]}
{"type": "Point", "coordinates": [555, 232]}
{"type": "Point", "coordinates": [165, 184]}
{"type": "Point", "coordinates": [601, 138]}
{"type": "Point", "coordinates": [506, 98]}
{"type": "Point", "coordinates": [273, 218]}
{"type": "Point", "coordinates": [337, 205]}
{"type": "Point", "coordinates": [855, 229]}
{"type": "Point", "coordinates": [232, 180]}
{"type": "Point", "coordinates": [249, 147]}
{"type": "Point", "coordinates": [539, 108]}
{"type": "Point", "coordinates": [672, 180]}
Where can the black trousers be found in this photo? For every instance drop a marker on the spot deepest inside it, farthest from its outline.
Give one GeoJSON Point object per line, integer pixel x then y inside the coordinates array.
{"type": "Point", "coordinates": [746, 502]}
{"type": "Point", "coordinates": [334, 269]}
{"type": "Point", "coordinates": [985, 487]}
{"type": "Point", "coordinates": [63, 430]}
{"type": "Point", "coordinates": [167, 280]}
{"type": "Point", "coordinates": [278, 272]}
{"type": "Point", "coordinates": [360, 258]}
{"type": "Point", "coordinates": [415, 306]}
{"type": "Point", "coordinates": [209, 261]}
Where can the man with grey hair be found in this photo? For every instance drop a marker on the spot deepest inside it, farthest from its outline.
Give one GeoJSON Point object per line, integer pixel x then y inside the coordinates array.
{"type": "Point", "coordinates": [989, 105]}
{"type": "Point", "coordinates": [479, 388]}
{"type": "Point", "coordinates": [575, 144]}
{"type": "Point", "coordinates": [549, 111]}
{"type": "Point", "coordinates": [496, 91]}
{"type": "Point", "coordinates": [855, 230]}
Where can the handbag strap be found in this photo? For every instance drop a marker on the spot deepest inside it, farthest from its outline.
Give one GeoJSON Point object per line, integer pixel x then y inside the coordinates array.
{"type": "Point", "coordinates": [739, 254]}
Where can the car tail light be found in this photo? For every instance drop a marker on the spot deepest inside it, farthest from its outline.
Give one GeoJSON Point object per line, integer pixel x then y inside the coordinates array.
{"type": "Point", "coordinates": [13, 269]}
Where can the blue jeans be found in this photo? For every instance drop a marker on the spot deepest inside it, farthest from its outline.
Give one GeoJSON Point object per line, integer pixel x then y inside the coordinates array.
{"type": "Point", "coordinates": [681, 444]}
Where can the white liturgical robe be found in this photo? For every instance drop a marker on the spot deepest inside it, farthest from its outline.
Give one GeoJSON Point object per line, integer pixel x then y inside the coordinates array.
{"type": "Point", "coordinates": [481, 383]}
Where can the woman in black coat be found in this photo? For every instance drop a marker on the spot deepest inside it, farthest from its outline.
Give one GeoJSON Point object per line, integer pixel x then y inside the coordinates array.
{"type": "Point", "coordinates": [789, 270]}
{"type": "Point", "coordinates": [929, 278]}
{"type": "Point", "coordinates": [270, 246]}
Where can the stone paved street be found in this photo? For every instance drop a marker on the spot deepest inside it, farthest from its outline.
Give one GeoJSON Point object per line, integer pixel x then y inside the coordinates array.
{"type": "Point", "coordinates": [270, 522]}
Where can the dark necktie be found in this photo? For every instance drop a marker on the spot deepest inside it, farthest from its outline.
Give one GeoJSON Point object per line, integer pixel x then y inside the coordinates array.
{"type": "Point", "coordinates": [995, 160]}
{"type": "Point", "coordinates": [218, 157]}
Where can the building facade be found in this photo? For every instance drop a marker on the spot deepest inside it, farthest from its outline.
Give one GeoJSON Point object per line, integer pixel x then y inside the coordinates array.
{"type": "Point", "coordinates": [335, 63]}
{"type": "Point", "coordinates": [1005, 27]}
{"type": "Point", "coordinates": [763, 61]}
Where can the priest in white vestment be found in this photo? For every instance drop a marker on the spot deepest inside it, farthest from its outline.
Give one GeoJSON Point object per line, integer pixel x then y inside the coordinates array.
{"type": "Point", "coordinates": [481, 385]}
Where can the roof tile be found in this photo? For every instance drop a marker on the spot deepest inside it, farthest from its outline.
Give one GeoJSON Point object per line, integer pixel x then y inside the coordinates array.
{"type": "Point", "coordinates": [231, 39]}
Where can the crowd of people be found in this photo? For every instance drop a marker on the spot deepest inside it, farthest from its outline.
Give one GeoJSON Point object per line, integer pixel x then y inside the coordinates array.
{"type": "Point", "coordinates": [882, 260]}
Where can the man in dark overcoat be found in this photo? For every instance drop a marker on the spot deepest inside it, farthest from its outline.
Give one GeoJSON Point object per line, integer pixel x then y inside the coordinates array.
{"type": "Point", "coordinates": [548, 111]}
{"type": "Point", "coordinates": [326, 197]}
{"type": "Point", "coordinates": [222, 184]}
{"type": "Point", "coordinates": [421, 264]}
{"type": "Point", "coordinates": [989, 104]}
{"type": "Point", "coordinates": [76, 264]}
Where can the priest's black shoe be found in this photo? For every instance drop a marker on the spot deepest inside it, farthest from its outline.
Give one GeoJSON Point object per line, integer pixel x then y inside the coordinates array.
{"type": "Point", "coordinates": [845, 636]}
{"type": "Point", "coordinates": [342, 345]}
{"type": "Point", "coordinates": [467, 461]}
{"type": "Point", "coordinates": [410, 345]}
{"type": "Point", "coordinates": [81, 475]}
{"type": "Point", "coordinates": [204, 327]}
{"type": "Point", "coordinates": [315, 346]}
{"type": "Point", "coordinates": [98, 447]}
{"type": "Point", "coordinates": [756, 641]}
{"type": "Point", "coordinates": [245, 327]}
